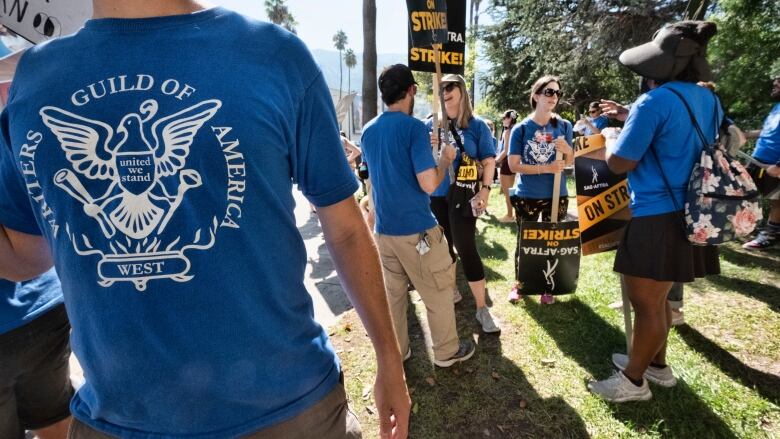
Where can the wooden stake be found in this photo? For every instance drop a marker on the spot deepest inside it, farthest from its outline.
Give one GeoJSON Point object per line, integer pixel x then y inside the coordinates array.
{"type": "Point", "coordinates": [556, 190]}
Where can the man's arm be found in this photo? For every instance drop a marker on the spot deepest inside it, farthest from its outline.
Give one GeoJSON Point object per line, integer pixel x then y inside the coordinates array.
{"type": "Point", "coordinates": [431, 178]}
{"type": "Point", "coordinates": [357, 262]}
{"type": "Point", "coordinates": [619, 165]}
{"type": "Point", "coordinates": [22, 256]}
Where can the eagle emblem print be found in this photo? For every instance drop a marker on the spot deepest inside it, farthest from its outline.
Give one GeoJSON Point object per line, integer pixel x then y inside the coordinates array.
{"type": "Point", "coordinates": [136, 207]}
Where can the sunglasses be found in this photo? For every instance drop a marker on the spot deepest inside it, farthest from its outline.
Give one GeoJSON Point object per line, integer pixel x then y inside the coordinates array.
{"type": "Point", "coordinates": [450, 86]}
{"type": "Point", "coordinates": [550, 92]}
{"type": "Point", "coordinates": [593, 111]}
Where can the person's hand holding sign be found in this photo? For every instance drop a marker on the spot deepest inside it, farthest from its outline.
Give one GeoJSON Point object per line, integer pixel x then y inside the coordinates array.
{"type": "Point", "coordinates": [448, 153]}
{"type": "Point", "coordinates": [563, 147]}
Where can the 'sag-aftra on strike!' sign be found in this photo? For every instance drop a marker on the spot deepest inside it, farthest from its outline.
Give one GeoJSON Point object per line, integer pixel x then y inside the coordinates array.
{"type": "Point", "coordinates": [40, 20]}
{"type": "Point", "coordinates": [437, 22]}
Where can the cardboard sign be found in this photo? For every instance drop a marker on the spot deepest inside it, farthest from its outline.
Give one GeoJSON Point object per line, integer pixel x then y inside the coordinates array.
{"type": "Point", "coordinates": [452, 42]}
{"type": "Point", "coordinates": [549, 257]}
{"type": "Point", "coordinates": [40, 20]}
{"type": "Point", "coordinates": [602, 197]}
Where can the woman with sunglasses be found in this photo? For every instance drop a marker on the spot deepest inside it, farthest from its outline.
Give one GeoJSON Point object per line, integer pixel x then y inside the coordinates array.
{"type": "Point", "coordinates": [594, 122]}
{"type": "Point", "coordinates": [533, 144]}
{"type": "Point", "coordinates": [459, 224]}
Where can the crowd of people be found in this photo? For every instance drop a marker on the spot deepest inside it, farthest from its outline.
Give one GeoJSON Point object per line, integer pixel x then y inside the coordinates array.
{"type": "Point", "coordinates": [204, 328]}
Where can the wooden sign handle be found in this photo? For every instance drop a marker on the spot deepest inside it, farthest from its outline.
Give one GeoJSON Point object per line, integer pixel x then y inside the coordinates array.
{"type": "Point", "coordinates": [556, 190]}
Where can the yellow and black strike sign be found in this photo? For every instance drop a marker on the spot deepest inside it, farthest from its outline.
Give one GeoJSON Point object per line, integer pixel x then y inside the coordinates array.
{"type": "Point", "coordinates": [549, 257]}
{"type": "Point", "coordinates": [602, 197]}
{"type": "Point", "coordinates": [441, 23]}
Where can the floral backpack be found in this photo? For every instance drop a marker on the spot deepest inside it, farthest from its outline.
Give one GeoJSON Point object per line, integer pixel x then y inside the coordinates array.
{"type": "Point", "coordinates": [721, 203]}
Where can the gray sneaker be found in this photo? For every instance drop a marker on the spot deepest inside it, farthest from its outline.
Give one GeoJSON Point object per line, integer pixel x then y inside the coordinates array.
{"type": "Point", "coordinates": [486, 320]}
{"type": "Point", "coordinates": [408, 354]}
{"type": "Point", "coordinates": [661, 376]}
{"type": "Point", "coordinates": [466, 350]}
{"type": "Point", "coordinates": [456, 296]}
{"type": "Point", "coordinates": [618, 388]}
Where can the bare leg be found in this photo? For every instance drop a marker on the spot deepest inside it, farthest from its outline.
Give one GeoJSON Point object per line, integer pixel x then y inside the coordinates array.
{"type": "Point", "coordinates": [507, 181]}
{"type": "Point", "coordinates": [648, 297]}
{"type": "Point", "coordinates": [55, 431]}
{"type": "Point", "coordinates": [478, 290]}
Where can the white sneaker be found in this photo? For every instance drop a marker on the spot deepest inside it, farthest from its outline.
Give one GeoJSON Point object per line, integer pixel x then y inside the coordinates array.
{"type": "Point", "coordinates": [456, 296]}
{"type": "Point", "coordinates": [486, 320]}
{"type": "Point", "coordinates": [408, 354]}
{"type": "Point", "coordinates": [618, 388]}
{"type": "Point", "coordinates": [664, 377]}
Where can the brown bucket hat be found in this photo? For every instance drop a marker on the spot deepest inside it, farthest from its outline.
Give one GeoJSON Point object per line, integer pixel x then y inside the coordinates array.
{"type": "Point", "coordinates": [672, 49]}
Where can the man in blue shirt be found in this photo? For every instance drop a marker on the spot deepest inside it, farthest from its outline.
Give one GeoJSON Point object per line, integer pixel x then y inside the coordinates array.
{"type": "Point", "coordinates": [594, 122]}
{"type": "Point", "coordinates": [147, 155]}
{"type": "Point", "coordinates": [412, 246]}
{"type": "Point", "coordinates": [768, 151]}
{"type": "Point", "coordinates": [35, 387]}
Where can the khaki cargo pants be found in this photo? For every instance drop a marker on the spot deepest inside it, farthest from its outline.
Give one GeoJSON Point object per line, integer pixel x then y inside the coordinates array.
{"type": "Point", "coordinates": [433, 275]}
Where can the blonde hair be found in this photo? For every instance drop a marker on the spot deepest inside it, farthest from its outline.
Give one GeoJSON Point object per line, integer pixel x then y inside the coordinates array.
{"type": "Point", "coordinates": [465, 111]}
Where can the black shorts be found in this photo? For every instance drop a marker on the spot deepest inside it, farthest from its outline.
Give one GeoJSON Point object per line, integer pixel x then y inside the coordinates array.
{"type": "Point", "coordinates": [655, 247]}
{"type": "Point", "coordinates": [35, 388]}
{"type": "Point", "coordinates": [504, 168]}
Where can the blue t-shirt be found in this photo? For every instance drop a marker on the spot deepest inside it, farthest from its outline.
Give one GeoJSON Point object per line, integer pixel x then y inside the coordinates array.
{"type": "Point", "coordinates": [23, 302]}
{"type": "Point", "coordinates": [397, 148]}
{"type": "Point", "coordinates": [527, 141]}
{"type": "Point", "coordinates": [768, 143]}
{"type": "Point", "coordinates": [159, 156]}
{"type": "Point", "coordinates": [599, 122]}
{"type": "Point", "coordinates": [659, 118]}
{"type": "Point", "coordinates": [477, 141]}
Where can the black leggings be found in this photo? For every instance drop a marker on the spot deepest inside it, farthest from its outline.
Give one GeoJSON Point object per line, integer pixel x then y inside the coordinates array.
{"type": "Point", "coordinates": [527, 209]}
{"type": "Point", "coordinates": [460, 232]}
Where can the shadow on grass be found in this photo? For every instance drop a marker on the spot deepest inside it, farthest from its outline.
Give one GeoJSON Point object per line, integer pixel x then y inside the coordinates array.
{"type": "Point", "coordinates": [766, 384]}
{"type": "Point", "coordinates": [768, 294]}
{"type": "Point", "coordinates": [765, 259]}
{"type": "Point", "coordinates": [486, 396]}
{"type": "Point", "coordinates": [588, 339]}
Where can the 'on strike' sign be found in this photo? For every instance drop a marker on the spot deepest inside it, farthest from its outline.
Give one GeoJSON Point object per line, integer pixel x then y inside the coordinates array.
{"type": "Point", "coordinates": [40, 20]}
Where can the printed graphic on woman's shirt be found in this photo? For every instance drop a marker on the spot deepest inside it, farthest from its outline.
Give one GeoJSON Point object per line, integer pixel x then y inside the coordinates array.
{"type": "Point", "coordinates": [137, 173]}
{"type": "Point", "coordinates": [540, 149]}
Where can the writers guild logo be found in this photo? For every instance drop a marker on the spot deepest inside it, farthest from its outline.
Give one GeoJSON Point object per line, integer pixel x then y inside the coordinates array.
{"type": "Point", "coordinates": [595, 175]}
{"type": "Point", "coordinates": [549, 274]}
{"type": "Point", "coordinates": [136, 207]}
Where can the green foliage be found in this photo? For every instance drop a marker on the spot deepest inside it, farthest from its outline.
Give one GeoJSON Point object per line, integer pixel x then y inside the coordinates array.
{"type": "Point", "coordinates": [280, 14]}
{"type": "Point", "coordinates": [744, 53]}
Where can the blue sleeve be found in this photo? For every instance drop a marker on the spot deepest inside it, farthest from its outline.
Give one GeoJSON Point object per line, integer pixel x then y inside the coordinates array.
{"type": "Point", "coordinates": [639, 129]}
{"type": "Point", "coordinates": [601, 122]}
{"type": "Point", "coordinates": [568, 132]}
{"type": "Point", "coordinates": [321, 171]}
{"type": "Point", "coordinates": [420, 150]}
{"type": "Point", "coordinates": [16, 211]}
{"type": "Point", "coordinates": [516, 140]}
{"type": "Point", "coordinates": [486, 146]}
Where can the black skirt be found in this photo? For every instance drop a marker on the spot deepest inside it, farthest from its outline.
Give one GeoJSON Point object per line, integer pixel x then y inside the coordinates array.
{"type": "Point", "coordinates": [655, 247]}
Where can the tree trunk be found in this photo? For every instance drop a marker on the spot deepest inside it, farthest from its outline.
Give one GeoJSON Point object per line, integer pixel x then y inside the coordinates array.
{"type": "Point", "coordinates": [341, 75]}
{"type": "Point", "coordinates": [349, 80]}
{"type": "Point", "coordinates": [474, 21]}
{"type": "Point", "coordinates": [369, 61]}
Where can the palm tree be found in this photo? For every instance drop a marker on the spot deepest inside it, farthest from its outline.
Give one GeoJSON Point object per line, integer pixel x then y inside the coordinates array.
{"type": "Point", "coordinates": [340, 42]}
{"type": "Point", "coordinates": [350, 60]}
{"type": "Point", "coordinates": [369, 61]}
{"type": "Point", "coordinates": [280, 14]}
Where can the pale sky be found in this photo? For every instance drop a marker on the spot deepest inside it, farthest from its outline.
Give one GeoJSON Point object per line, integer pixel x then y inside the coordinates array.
{"type": "Point", "coordinates": [318, 21]}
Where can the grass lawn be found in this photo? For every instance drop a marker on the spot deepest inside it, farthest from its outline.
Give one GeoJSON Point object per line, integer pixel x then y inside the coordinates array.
{"type": "Point", "coordinates": [530, 380]}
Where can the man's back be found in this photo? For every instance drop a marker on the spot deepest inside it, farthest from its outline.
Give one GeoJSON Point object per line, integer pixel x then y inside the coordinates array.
{"type": "Point", "coordinates": [397, 148]}
{"type": "Point", "coordinates": [159, 162]}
